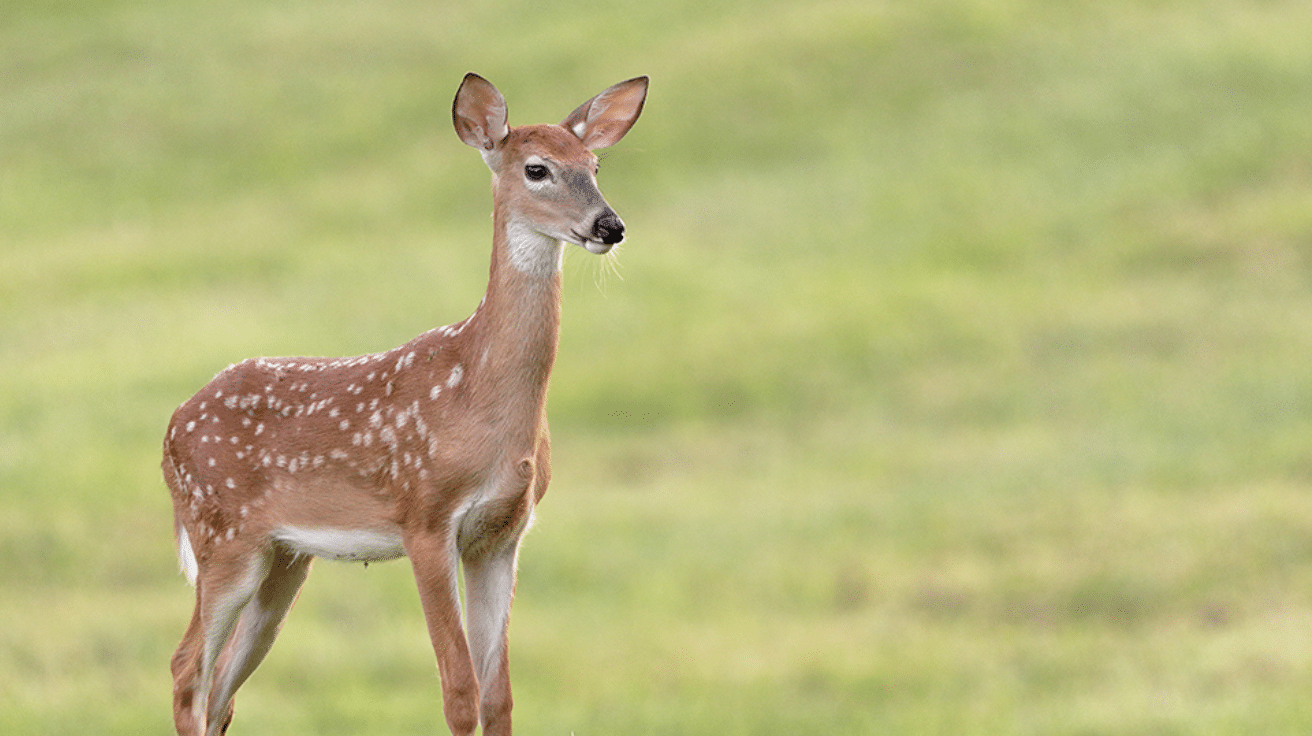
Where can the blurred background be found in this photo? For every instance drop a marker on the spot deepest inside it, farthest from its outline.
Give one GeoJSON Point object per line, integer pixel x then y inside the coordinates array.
{"type": "Point", "coordinates": [954, 378]}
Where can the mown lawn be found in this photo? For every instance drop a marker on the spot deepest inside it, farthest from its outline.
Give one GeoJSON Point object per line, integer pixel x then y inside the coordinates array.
{"type": "Point", "coordinates": [953, 379]}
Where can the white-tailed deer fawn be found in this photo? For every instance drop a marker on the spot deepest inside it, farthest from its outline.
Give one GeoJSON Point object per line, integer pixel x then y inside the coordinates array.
{"type": "Point", "coordinates": [436, 451]}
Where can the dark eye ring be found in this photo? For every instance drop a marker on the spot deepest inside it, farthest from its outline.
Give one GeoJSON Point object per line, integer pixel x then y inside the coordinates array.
{"type": "Point", "coordinates": [536, 172]}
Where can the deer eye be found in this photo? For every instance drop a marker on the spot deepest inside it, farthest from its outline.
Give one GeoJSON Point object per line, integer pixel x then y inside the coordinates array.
{"type": "Point", "coordinates": [536, 172]}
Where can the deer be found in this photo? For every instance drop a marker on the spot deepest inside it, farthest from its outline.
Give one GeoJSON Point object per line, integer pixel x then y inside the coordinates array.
{"type": "Point", "coordinates": [437, 450]}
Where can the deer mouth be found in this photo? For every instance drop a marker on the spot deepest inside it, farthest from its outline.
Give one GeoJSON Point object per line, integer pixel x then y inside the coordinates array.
{"type": "Point", "coordinates": [596, 247]}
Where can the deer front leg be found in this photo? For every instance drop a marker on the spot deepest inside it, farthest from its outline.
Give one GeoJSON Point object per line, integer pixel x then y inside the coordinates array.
{"type": "Point", "coordinates": [433, 557]}
{"type": "Point", "coordinates": [489, 588]}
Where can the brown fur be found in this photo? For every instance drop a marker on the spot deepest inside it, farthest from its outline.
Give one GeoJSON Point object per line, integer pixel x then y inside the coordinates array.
{"type": "Point", "coordinates": [437, 449]}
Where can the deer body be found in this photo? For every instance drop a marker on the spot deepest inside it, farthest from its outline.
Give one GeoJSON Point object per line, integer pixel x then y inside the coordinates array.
{"type": "Point", "coordinates": [437, 450]}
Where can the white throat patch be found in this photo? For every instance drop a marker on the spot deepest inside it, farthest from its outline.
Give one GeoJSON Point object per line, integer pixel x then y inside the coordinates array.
{"type": "Point", "coordinates": [531, 252]}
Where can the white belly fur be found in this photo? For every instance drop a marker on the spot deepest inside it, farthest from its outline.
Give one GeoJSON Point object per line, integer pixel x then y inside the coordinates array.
{"type": "Point", "coordinates": [351, 545]}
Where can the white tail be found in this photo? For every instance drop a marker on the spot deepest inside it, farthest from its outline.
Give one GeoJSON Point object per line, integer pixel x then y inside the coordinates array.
{"type": "Point", "coordinates": [436, 450]}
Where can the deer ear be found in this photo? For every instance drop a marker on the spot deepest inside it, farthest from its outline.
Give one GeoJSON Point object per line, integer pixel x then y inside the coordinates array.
{"type": "Point", "coordinates": [479, 113]}
{"type": "Point", "coordinates": [603, 120]}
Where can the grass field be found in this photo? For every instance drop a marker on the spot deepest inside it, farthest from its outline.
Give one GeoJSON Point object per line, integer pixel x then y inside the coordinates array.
{"type": "Point", "coordinates": [957, 381]}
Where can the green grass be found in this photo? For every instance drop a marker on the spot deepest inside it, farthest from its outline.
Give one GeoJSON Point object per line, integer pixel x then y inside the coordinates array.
{"type": "Point", "coordinates": [957, 381]}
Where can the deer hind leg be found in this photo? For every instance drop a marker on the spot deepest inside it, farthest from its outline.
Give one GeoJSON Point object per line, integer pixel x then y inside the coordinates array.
{"type": "Point", "coordinates": [489, 588]}
{"type": "Point", "coordinates": [256, 628]}
{"type": "Point", "coordinates": [186, 666]}
{"type": "Point", "coordinates": [223, 588]}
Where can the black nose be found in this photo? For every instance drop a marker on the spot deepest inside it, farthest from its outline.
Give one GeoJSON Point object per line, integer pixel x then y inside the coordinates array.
{"type": "Point", "coordinates": [608, 228]}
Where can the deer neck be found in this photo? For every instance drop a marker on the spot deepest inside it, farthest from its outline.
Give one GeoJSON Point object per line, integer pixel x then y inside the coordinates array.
{"type": "Point", "coordinates": [517, 327]}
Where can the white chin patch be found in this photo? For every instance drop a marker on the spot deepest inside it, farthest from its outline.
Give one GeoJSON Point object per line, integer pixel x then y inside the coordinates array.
{"type": "Point", "coordinates": [596, 247]}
